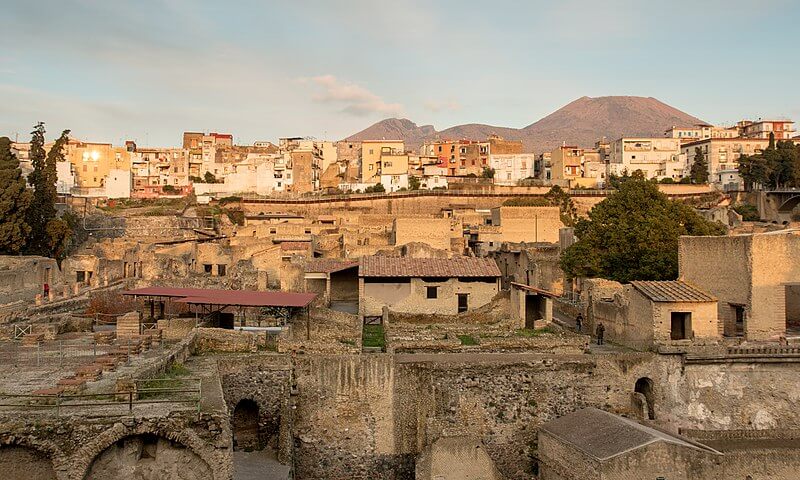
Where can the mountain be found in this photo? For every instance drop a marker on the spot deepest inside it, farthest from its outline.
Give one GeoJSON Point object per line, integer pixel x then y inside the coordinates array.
{"type": "Point", "coordinates": [581, 122]}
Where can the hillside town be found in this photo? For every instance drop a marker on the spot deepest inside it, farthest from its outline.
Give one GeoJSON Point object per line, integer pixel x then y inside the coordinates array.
{"type": "Point", "coordinates": [210, 165]}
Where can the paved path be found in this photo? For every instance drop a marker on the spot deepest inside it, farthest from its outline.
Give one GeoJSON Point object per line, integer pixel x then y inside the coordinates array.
{"type": "Point", "coordinates": [261, 465]}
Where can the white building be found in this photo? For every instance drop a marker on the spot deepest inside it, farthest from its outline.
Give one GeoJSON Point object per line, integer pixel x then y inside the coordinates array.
{"type": "Point", "coordinates": [65, 174]}
{"type": "Point", "coordinates": [393, 183]}
{"type": "Point", "coordinates": [117, 184]}
{"type": "Point", "coordinates": [511, 168]}
{"type": "Point", "coordinates": [656, 157]}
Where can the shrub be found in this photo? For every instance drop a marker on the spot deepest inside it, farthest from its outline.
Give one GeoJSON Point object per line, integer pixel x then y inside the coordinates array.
{"type": "Point", "coordinates": [748, 212]}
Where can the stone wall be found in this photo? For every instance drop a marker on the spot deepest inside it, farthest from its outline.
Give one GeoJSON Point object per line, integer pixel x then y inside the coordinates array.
{"type": "Point", "coordinates": [411, 296]}
{"type": "Point", "coordinates": [266, 380]}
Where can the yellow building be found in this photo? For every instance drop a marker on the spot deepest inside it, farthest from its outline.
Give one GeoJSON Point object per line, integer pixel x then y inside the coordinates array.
{"type": "Point", "coordinates": [372, 154]}
{"type": "Point", "coordinates": [93, 162]}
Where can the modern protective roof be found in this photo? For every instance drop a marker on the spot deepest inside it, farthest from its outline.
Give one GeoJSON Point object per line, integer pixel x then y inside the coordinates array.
{"type": "Point", "coordinates": [603, 435]}
{"type": "Point", "coordinates": [329, 265]}
{"type": "Point", "coordinates": [672, 291]}
{"type": "Point", "coordinates": [378, 266]}
{"type": "Point", "coordinates": [244, 298]}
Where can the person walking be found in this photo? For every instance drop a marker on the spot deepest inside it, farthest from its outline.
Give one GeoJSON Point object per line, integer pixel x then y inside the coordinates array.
{"type": "Point", "coordinates": [601, 330]}
{"type": "Point", "coordinates": [46, 291]}
{"type": "Point", "coordinates": [579, 322]}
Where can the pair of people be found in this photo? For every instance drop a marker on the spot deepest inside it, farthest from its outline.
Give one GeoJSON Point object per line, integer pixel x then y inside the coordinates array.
{"type": "Point", "coordinates": [599, 331]}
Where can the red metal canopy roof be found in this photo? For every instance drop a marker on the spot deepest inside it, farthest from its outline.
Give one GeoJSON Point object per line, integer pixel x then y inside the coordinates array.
{"type": "Point", "coordinates": [244, 298]}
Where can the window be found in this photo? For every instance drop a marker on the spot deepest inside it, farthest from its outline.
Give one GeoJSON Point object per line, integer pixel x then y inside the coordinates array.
{"type": "Point", "coordinates": [273, 231]}
{"type": "Point", "coordinates": [207, 268]}
{"type": "Point", "coordinates": [370, 151]}
{"type": "Point", "coordinates": [307, 231]}
{"type": "Point", "coordinates": [221, 270]}
{"type": "Point", "coordinates": [431, 292]}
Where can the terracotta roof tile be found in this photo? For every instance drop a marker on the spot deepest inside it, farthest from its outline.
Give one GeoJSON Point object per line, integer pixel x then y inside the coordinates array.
{"type": "Point", "coordinates": [672, 291]}
{"type": "Point", "coordinates": [378, 266]}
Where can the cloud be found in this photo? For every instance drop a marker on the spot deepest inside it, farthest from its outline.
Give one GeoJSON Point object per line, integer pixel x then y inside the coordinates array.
{"type": "Point", "coordinates": [354, 99]}
{"type": "Point", "coordinates": [443, 106]}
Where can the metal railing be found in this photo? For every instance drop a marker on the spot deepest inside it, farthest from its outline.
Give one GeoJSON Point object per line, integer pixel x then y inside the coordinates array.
{"type": "Point", "coordinates": [111, 403]}
{"type": "Point", "coordinates": [62, 352]}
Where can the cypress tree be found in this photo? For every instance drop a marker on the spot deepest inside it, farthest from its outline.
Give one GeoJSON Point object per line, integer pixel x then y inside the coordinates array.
{"type": "Point", "coordinates": [43, 179]}
{"type": "Point", "coordinates": [14, 202]}
{"type": "Point", "coordinates": [699, 171]}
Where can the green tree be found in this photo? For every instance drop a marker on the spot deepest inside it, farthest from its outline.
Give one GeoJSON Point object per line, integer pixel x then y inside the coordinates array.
{"type": "Point", "coordinates": [488, 172]}
{"type": "Point", "coordinates": [776, 166]}
{"type": "Point", "coordinates": [43, 179]}
{"type": "Point", "coordinates": [699, 171]}
{"type": "Point", "coordinates": [413, 183]}
{"type": "Point", "coordinates": [42, 207]}
{"type": "Point", "coordinates": [14, 202]}
{"type": "Point", "coordinates": [633, 235]}
{"type": "Point", "coordinates": [210, 178]}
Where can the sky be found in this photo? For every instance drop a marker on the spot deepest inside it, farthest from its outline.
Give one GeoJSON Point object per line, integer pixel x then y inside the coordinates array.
{"type": "Point", "coordinates": [148, 70]}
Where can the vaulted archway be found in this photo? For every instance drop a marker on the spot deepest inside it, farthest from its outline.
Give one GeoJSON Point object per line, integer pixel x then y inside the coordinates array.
{"type": "Point", "coordinates": [147, 457]}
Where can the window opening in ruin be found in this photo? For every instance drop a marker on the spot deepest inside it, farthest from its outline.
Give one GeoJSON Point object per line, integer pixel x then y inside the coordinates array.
{"type": "Point", "coordinates": [431, 292]}
{"type": "Point", "coordinates": [645, 386]}
{"type": "Point", "coordinates": [463, 302]}
{"type": "Point", "coordinates": [221, 270]}
{"type": "Point", "coordinates": [80, 276]}
{"type": "Point", "coordinates": [207, 267]}
{"type": "Point", "coordinates": [681, 325]}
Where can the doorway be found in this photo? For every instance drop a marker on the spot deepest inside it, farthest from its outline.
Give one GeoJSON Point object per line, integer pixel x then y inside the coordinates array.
{"type": "Point", "coordinates": [245, 426]}
{"type": "Point", "coordinates": [533, 310]}
{"type": "Point", "coordinates": [463, 302]}
{"type": "Point", "coordinates": [645, 386]}
{"type": "Point", "coordinates": [680, 325]}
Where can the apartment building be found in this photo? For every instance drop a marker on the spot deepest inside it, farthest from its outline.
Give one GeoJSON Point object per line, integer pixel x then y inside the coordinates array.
{"type": "Point", "coordinates": [722, 156]}
{"type": "Point", "coordinates": [159, 171]}
{"type": "Point", "coordinates": [656, 157]}
{"type": "Point", "coordinates": [509, 169]}
{"type": "Point", "coordinates": [782, 129]}
{"type": "Point", "coordinates": [96, 164]}
{"type": "Point", "coordinates": [373, 153]}
{"type": "Point", "coordinates": [566, 163]}
{"type": "Point", "coordinates": [700, 131]}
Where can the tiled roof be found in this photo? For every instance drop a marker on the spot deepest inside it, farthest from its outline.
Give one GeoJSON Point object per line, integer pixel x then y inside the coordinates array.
{"type": "Point", "coordinates": [603, 435]}
{"type": "Point", "coordinates": [672, 291]}
{"type": "Point", "coordinates": [378, 266]}
{"type": "Point", "coordinates": [329, 265]}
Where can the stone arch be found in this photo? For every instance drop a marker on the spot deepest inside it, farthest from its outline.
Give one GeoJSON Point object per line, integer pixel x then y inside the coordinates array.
{"type": "Point", "coordinates": [147, 456]}
{"type": "Point", "coordinates": [246, 430]}
{"type": "Point", "coordinates": [644, 387]}
{"type": "Point", "coordinates": [22, 462]}
{"type": "Point", "coordinates": [186, 438]}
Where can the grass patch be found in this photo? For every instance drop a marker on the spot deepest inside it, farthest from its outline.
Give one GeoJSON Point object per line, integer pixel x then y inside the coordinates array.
{"type": "Point", "coordinates": [373, 336]}
{"type": "Point", "coordinates": [467, 340]}
{"type": "Point", "coordinates": [533, 332]}
{"type": "Point", "coordinates": [172, 378]}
